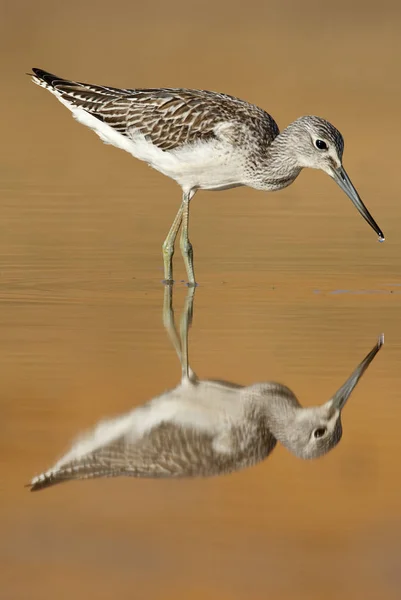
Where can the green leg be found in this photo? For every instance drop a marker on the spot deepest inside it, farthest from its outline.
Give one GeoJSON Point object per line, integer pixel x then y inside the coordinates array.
{"type": "Point", "coordinates": [186, 246]}
{"type": "Point", "coordinates": [180, 343]}
{"type": "Point", "coordinates": [186, 322]}
{"type": "Point", "coordinates": [168, 246]}
{"type": "Point", "coordinates": [168, 320]}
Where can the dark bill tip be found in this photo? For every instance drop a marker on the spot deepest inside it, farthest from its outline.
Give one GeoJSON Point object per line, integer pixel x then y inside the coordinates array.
{"type": "Point", "coordinates": [341, 396]}
{"type": "Point", "coordinates": [343, 181]}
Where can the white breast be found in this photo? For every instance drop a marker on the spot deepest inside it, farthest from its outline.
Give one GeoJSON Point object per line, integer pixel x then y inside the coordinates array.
{"type": "Point", "coordinates": [210, 165]}
{"type": "Point", "coordinates": [206, 406]}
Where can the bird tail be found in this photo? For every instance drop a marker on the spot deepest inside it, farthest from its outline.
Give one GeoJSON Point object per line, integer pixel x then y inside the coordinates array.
{"type": "Point", "coordinates": [69, 472]}
{"type": "Point", "coordinates": [45, 79]}
{"type": "Point", "coordinates": [43, 481]}
{"type": "Point", "coordinates": [77, 95]}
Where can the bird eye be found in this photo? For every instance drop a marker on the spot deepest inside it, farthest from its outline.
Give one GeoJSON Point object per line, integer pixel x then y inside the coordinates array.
{"type": "Point", "coordinates": [321, 145]}
{"type": "Point", "coordinates": [319, 432]}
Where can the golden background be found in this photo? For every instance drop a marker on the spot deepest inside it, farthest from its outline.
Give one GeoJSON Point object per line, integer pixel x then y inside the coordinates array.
{"type": "Point", "coordinates": [293, 287]}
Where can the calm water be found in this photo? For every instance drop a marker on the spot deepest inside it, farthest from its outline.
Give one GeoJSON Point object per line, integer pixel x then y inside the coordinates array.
{"type": "Point", "coordinates": [293, 287]}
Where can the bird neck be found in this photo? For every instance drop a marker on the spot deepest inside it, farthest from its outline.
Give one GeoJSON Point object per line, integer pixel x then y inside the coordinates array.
{"type": "Point", "coordinates": [281, 166]}
{"type": "Point", "coordinates": [279, 408]}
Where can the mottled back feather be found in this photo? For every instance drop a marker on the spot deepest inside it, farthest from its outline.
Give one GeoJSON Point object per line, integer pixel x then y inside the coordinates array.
{"type": "Point", "coordinates": [170, 450]}
{"type": "Point", "coordinates": [168, 117]}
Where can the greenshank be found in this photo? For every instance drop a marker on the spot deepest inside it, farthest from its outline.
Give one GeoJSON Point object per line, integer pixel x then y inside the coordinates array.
{"type": "Point", "coordinates": [204, 427]}
{"type": "Point", "coordinates": [205, 141]}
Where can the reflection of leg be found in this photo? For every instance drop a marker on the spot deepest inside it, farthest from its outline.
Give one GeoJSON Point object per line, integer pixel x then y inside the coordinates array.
{"type": "Point", "coordinates": [168, 246]}
{"type": "Point", "coordinates": [186, 246]}
{"type": "Point", "coordinates": [180, 343]}
{"type": "Point", "coordinates": [168, 320]}
{"type": "Point", "coordinates": [186, 322]}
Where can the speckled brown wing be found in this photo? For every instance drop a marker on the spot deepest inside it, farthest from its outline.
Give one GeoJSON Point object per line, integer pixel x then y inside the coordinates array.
{"type": "Point", "coordinates": [168, 450]}
{"type": "Point", "coordinates": [169, 118]}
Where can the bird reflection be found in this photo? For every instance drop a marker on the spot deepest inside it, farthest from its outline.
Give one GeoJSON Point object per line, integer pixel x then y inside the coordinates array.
{"type": "Point", "coordinates": [204, 427]}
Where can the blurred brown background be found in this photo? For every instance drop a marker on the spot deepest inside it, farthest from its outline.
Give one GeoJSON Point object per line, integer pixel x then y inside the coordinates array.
{"type": "Point", "coordinates": [294, 287]}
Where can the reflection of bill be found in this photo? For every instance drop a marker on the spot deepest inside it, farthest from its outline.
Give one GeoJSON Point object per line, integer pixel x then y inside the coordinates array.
{"type": "Point", "coordinates": [204, 428]}
{"type": "Point", "coordinates": [205, 140]}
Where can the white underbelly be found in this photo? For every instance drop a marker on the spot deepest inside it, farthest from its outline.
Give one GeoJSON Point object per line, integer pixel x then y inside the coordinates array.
{"type": "Point", "coordinates": [205, 165]}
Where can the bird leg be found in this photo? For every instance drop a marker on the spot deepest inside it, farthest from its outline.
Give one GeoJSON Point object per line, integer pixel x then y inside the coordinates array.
{"type": "Point", "coordinates": [186, 322]}
{"type": "Point", "coordinates": [186, 246]}
{"type": "Point", "coordinates": [180, 343]}
{"type": "Point", "coordinates": [169, 321]}
{"type": "Point", "coordinates": [168, 246]}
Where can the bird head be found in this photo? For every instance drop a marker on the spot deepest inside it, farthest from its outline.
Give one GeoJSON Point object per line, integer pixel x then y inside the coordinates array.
{"type": "Point", "coordinates": [314, 431]}
{"type": "Point", "coordinates": [319, 145]}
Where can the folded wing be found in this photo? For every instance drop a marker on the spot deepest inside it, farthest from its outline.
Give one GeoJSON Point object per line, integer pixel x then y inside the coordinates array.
{"type": "Point", "coordinates": [169, 118]}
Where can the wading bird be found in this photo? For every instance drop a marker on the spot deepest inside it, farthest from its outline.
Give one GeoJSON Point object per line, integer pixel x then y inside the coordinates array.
{"type": "Point", "coordinates": [205, 141]}
{"type": "Point", "coordinates": [204, 427]}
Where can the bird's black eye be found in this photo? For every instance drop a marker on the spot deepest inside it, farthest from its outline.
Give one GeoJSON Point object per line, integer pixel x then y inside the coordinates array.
{"type": "Point", "coordinates": [321, 145]}
{"type": "Point", "coordinates": [319, 432]}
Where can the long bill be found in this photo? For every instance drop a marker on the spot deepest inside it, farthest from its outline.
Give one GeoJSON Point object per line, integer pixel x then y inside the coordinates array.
{"type": "Point", "coordinates": [341, 396]}
{"type": "Point", "coordinates": [341, 178]}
